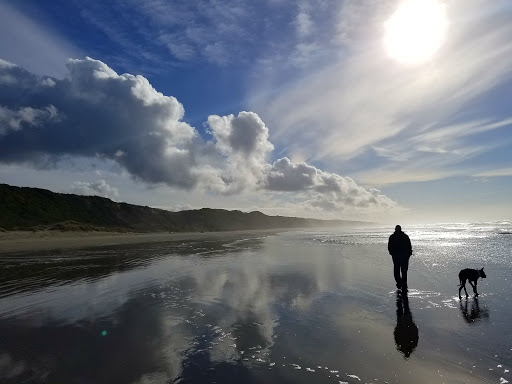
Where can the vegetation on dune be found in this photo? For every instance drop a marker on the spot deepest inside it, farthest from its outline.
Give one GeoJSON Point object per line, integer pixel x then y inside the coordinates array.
{"type": "Point", "coordinates": [24, 208]}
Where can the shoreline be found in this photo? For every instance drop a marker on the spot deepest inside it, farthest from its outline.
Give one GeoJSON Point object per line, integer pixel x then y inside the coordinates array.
{"type": "Point", "coordinates": [26, 241]}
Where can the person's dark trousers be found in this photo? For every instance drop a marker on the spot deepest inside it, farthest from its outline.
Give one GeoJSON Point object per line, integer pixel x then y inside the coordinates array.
{"type": "Point", "coordinates": [400, 264]}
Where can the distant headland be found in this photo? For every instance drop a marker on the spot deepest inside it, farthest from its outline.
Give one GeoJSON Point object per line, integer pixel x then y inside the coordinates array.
{"type": "Point", "coordinates": [35, 209]}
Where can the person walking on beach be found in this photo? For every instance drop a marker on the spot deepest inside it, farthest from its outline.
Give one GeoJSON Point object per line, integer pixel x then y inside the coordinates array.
{"type": "Point", "coordinates": [400, 249]}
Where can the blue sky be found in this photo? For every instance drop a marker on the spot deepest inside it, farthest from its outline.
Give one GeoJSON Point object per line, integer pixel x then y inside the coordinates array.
{"type": "Point", "coordinates": [377, 110]}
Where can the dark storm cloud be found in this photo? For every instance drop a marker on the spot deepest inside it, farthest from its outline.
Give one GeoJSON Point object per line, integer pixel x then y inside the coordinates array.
{"type": "Point", "coordinates": [99, 113]}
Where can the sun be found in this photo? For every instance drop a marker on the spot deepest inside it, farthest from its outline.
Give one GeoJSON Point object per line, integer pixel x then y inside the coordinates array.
{"type": "Point", "coordinates": [415, 31]}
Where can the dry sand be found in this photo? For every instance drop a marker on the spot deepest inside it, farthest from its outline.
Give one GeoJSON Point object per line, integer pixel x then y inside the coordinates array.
{"type": "Point", "coordinates": [23, 241]}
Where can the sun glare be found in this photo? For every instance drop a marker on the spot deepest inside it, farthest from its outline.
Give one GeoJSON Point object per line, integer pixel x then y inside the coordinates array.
{"type": "Point", "coordinates": [415, 31]}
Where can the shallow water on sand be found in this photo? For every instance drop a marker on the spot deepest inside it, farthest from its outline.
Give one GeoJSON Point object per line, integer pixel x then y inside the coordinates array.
{"type": "Point", "coordinates": [317, 306]}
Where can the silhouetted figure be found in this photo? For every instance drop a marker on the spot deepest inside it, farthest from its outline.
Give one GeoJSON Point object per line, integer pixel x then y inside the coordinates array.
{"type": "Point", "coordinates": [471, 275]}
{"type": "Point", "coordinates": [406, 332]}
{"type": "Point", "coordinates": [400, 249]}
{"type": "Point", "coordinates": [475, 313]}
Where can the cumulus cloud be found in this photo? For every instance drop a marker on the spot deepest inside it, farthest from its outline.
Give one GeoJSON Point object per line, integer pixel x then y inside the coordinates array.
{"type": "Point", "coordinates": [95, 112]}
{"type": "Point", "coordinates": [98, 188]}
{"type": "Point", "coordinates": [243, 141]}
{"type": "Point", "coordinates": [103, 113]}
{"type": "Point", "coordinates": [325, 190]}
{"type": "Point", "coordinates": [15, 120]}
{"type": "Point", "coordinates": [245, 135]}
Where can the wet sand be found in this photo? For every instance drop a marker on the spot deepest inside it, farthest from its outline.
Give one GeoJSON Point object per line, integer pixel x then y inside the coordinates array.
{"type": "Point", "coordinates": [24, 241]}
{"type": "Point", "coordinates": [298, 307]}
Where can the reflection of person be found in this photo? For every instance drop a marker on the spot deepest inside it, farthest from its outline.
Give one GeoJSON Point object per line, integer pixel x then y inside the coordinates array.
{"type": "Point", "coordinates": [400, 249]}
{"type": "Point", "coordinates": [406, 332]}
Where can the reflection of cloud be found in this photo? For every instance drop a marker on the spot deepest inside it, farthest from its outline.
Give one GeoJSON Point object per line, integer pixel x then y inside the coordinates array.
{"type": "Point", "coordinates": [57, 349]}
{"type": "Point", "coordinates": [201, 308]}
{"type": "Point", "coordinates": [10, 368]}
{"type": "Point", "coordinates": [190, 313]}
{"type": "Point", "coordinates": [246, 293]}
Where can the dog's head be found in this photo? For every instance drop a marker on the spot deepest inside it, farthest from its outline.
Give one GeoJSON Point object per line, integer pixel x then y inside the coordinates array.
{"type": "Point", "coordinates": [482, 274]}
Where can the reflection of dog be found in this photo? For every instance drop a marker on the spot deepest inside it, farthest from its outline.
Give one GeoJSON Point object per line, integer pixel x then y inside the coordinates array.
{"type": "Point", "coordinates": [474, 314]}
{"type": "Point", "coordinates": [472, 276]}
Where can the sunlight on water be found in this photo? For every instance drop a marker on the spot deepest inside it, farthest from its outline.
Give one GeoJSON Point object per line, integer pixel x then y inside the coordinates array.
{"type": "Point", "coordinates": [297, 307]}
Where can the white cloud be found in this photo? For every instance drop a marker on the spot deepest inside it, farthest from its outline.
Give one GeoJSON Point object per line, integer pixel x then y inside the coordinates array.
{"type": "Point", "coordinates": [324, 190]}
{"type": "Point", "coordinates": [303, 21]}
{"type": "Point", "coordinates": [217, 53]}
{"type": "Point", "coordinates": [122, 119]}
{"type": "Point", "coordinates": [233, 162]}
{"type": "Point", "coordinates": [98, 188]}
{"type": "Point", "coordinates": [178, 46]}
{"type": "Point", "coordinates": [15, 120]}
{"type": "Point", "coordinates": [224, 33]}
{"type": "Point", "coordinates": [48, 82]}
{"type": "Point", "coordinates": [192, 31]}
{"type": "Point", "coordinates": [359, 19]}
{"type": "Point", "coordinates": [437, 153]}
{"type": "Point", "coordinates": [500, 172]}
{"type": "Point", "coordinates": [5, 63]}
{"type": "Point", "coordinates": [338, 113]}
{"type": "Point", "coordinates": [245, 135]}
{"type": "Point", "coordinates": [448, 134]}
{"type": "Point", "coordinates": [243, 143]}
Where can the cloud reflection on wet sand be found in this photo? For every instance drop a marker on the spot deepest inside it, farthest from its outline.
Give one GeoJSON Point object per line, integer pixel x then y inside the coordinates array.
{"type": "Point", "coordinates": [274, 309]}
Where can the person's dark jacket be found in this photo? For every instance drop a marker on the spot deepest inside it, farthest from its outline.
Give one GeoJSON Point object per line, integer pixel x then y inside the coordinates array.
{"type": "Point", "coordinates": [399, 244]}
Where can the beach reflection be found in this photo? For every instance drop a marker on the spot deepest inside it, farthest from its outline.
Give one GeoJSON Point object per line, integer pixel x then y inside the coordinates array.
{"type": "Point", "coordinates": [475, 313]}
{"type": "Point", "coordinates": [406, 332]}
{"type": "Point", "coordinates": [191, 312]}
{"type": "Point", "coordinates": [28, 272]}
{"type": "Point", "coordinates": [271, 309]}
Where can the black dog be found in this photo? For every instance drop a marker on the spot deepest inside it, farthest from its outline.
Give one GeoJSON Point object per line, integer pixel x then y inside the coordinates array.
{"type": "Point", "coordinates": [472, 275]}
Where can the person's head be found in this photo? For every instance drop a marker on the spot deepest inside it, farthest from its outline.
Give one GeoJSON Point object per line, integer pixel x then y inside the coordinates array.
{"type": "Point", "coordinates": [398, 228]}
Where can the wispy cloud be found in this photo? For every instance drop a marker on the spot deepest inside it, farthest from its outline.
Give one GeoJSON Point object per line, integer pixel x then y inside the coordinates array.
{"type": "Point", "coordinates": [226, 32]}
{"type": "Point", "coordinates": [34, 46]}
{"type": "Point", "coordinates": [368, 113]}
{"type": "Point", "coordinates": [495, 173]}
{"type": "Point", "coordinates": [183, 30]}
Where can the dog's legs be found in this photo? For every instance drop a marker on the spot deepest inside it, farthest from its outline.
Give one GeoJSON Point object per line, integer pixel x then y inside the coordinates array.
{"type": "Point", "coordinates": [474, 287]}
{"type": "Point", "coordinates": [463, 285]}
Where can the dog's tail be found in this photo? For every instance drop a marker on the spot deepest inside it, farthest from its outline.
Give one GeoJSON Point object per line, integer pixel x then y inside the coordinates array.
{"type": "Point", "coordinates": [460, 279]}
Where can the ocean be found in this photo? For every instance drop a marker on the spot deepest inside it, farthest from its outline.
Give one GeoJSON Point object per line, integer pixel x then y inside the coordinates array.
{"type": "Point", "coordinates": [309, 306]}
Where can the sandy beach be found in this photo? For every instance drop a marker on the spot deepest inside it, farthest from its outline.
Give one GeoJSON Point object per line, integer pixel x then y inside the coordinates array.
{"type": "Point", "coordinates": [24, 241]}
{"type": "Point", "coordinates": [229, 307]}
